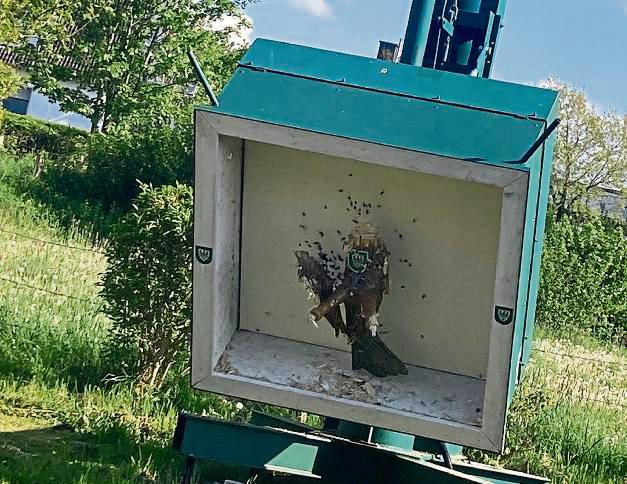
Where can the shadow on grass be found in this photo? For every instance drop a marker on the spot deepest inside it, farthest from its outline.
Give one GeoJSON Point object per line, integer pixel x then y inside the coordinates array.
{"type": "Point", "coordinates": [56, 453]}
{"type": "Point", "coordinates": [63, 193]}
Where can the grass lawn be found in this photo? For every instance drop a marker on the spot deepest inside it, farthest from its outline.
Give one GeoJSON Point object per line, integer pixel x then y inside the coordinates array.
{"type": "Point", "coordinates": [568, 420]}
{"type": "Point", "coordinates": [39, 449]}
{"type": "Point", "coordinates": [62, 420]}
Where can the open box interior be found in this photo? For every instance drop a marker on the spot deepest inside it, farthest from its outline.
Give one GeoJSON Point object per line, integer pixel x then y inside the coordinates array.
{"type": "Point", "coordinates": [451, 260]}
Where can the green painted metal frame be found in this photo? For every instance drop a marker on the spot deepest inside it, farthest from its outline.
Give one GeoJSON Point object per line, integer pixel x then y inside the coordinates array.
{"type": "Point", "coordinates": [379, 102]}
{"type": "Point", "coordinates": [417, 33]}
{"type": "Point", "coordinates": [421, 83]}
{"type": "Point", "coordinates": [279, 445]}
{"type": "Point", "coordinates": [412, 108]}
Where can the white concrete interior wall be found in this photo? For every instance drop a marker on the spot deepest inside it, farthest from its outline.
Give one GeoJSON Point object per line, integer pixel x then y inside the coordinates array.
{"type": "Point", "coordinates": [443, 235]}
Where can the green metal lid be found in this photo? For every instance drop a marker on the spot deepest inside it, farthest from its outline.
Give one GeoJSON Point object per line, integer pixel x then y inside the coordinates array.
{"type": "Point", "coordinates": [391, 104]}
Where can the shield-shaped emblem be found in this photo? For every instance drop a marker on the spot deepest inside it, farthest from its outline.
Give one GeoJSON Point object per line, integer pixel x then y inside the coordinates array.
{"type": "Point", "coordinates": [204, 255]}
{"type": "Point", "coordinates": [503, 315]}
{"type": "Point", "coordinates": [358, 261]}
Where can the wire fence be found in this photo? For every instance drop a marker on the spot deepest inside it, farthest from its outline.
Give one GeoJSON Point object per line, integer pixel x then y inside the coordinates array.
{"type": "Point", "coordinates": [584, 379]}
{"type": "Point", "coordinates": [610, 365]}
{"type": "Point", "coordinates": [582, 358]}
{"type": "Point", "coordinates": [50, 242]}
{"type": "Point", "coordinates": [48, 291]}
{"type": "Point", "coordinates": [606, 403]}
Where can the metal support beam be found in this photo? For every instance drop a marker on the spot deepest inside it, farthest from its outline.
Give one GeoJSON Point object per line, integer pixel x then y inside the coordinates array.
{"type": "Point", "coordinates": [202, 78]}
{"type": "Point", "coordinates": [454, 35]}
{"type": "Point", "coordinates": [469, 5]}
{"type": "Point", "coordinates": [321, 456]}
{"type": "Point", "coordinates": [417, 33]}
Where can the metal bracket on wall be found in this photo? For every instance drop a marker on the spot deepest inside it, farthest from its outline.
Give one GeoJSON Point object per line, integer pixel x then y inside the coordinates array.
{"type": "Point", "coordinates": [540, 141]}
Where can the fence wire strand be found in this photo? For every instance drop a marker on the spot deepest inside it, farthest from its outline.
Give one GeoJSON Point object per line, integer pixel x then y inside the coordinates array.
{"type": "Point", "coordinates": [48, 291]}
{"type": "Point", "coordinates": [583, 358]}
{"type": "Point", "coordinates": [50, 242]}
{"type": "Point", "coordinates": [610, 404]}
{"type": "Point", "coordinates": [94, 302]}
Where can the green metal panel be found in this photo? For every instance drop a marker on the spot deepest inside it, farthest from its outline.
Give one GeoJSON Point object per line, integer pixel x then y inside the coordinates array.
{"type": "Point", "coordinates": [335, 460]}
{"type": "Point", "coordinates": [390, 120]}
{"type": "Point", "coordinates": [491, 95]}
{"type": "Point", "coordinates": [241, 444]}
{"type": "Point", "coordinates": [397, 440]}
{"type": "Point", "coordinates": [391, 104]}
{"type": "Point", "coordinates": [360, 432]}
{"type": "Point", "coordinates": [262, 419]}
{"type": "Point", "coordinates": [545, 174]}
{"type": "Point", "coordinates": [525, 270]}
{"type": "Point", "coordinates": [431, 446]}
{"type": "Point", "coordinates": [417, 33]}
{"type": "Point", "coordinates": [539, 184]}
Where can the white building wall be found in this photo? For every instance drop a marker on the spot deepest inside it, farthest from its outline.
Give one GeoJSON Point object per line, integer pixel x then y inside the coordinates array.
{"type": "Point", "coordinates": [610, 204]}
{"type": "Point", "coordinates": [41, 107]}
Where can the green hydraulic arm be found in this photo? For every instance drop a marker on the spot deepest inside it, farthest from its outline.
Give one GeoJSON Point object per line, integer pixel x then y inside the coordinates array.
{"type": "Point", "coordinates": [454, 35]}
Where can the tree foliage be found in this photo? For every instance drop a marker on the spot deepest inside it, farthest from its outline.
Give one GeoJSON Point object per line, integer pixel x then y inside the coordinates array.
{"type": "Point", "coordinates": [591, 151]}
{"type": "Point", "coordinates": [92, 178]}
{"type": "Point", "coordinates": [19, 20]}
{"type": "Point", "coordinates": [10, 80]}
{"type": "Point", "coordinates": [9, 26]}
{"type": "Point", "coordinates": [147, 284]}
{"type": "Point", "coordinates": [124, 56]}
{"type": "Point", "coordinates": [118, 162]}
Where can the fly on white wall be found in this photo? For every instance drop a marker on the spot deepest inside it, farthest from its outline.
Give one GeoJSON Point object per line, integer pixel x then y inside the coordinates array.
{"type": "Point", "coordinates": [453, 234]}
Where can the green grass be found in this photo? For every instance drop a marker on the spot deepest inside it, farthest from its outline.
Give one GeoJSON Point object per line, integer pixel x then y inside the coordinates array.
{"type": "Point", "coordinates": [62, 420]}
{"type": "Point", "coordinates": [37, 449]}
{"type": "Point", "coordinates": [568, 420]}
{"type": "Point", "coordinates": [61, 416]}
{"type": "Point", "coordinates": [45, 333]}
{"type": "Point", "coordinates": [51, 432]}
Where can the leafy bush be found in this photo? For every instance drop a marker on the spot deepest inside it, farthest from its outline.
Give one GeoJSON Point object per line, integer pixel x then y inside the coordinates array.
{"type": "Point", "coordinates": [92, 179]}
{"type": "Point", "coordinates": [584, 279]}
{"type": "Point", "coordinates": [147, 285]}
{"type": "Point", "coordinates": [15, 172]}
{"type": "Point", "coordinates": [156, 155]}
{"type": "Point", "coordinates": [109, 174]}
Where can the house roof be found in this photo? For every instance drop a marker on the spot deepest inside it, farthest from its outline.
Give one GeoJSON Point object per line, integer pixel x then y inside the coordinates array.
{"type": "Point", "coordinates": [391, 104]}
{"type": "Point", "coordinates": [12, 57]}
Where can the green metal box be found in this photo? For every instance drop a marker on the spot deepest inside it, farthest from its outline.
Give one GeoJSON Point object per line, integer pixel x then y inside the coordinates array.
{"type": "Point", "coordinates": [440, 160]}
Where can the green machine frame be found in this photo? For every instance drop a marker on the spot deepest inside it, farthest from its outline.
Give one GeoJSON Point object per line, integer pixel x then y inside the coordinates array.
{"type": "Point", "coordinates": [340, 453]}
{"type": "Point", "coordinates": [458, 36]}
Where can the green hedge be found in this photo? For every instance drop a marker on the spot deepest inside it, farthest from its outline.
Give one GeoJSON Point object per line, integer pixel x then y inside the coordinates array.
{"type": "Point", "coordinates": [583, 285]}
{"type": "Point", "coordinates": [93, 178]}
{"type": "Point", "coordinates": [25, 134]}
{"type": "Point", "coordinates": [117, 162]}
